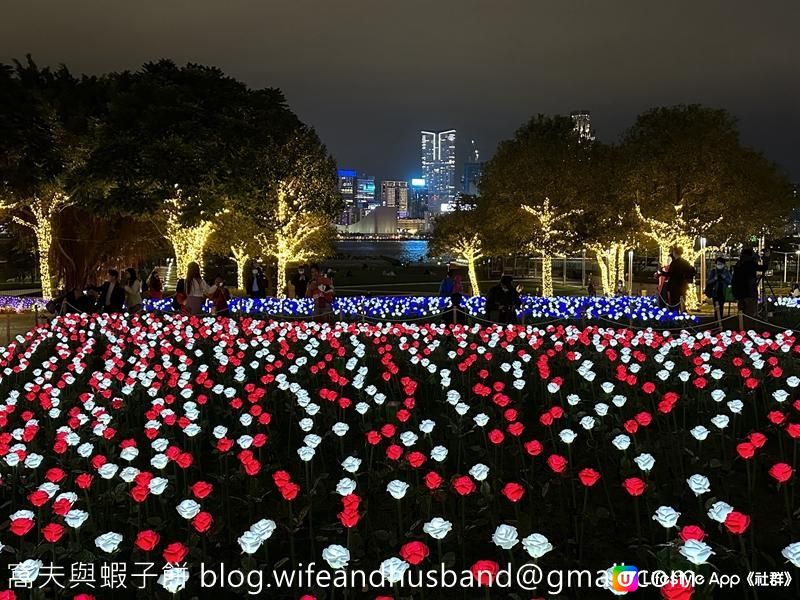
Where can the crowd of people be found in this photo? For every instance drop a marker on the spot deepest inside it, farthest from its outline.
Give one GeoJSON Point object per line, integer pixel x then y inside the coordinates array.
{"type": "Point", "coordinates": [723, 284]}
{"type": "Point", "coordinates": [126, 290]}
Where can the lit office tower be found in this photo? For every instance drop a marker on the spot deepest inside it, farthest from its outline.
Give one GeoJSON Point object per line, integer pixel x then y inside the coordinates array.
{"type": "Point", "coordinates": [417, 199]}
{"type": "Point", "coordinates": [395, 194]}
{"type": "Point", "coordinates": [583, 124]}
{"type": "Point", "coordinates": [365, 192]}
{"type": "Point", "coordinates": [347, 188]}
{"type": "Point", "coordinates": [439, 166]}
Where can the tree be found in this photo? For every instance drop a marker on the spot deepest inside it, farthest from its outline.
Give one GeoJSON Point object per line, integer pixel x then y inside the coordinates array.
{"type": "Point", "coordinates": [181, 142]}
{"type": "Point", "coordinates": [607, 223]}
{"type": "Point", "coordinates": [47, 121]}
{"type": "Point", "coordinates": [297, 234]}
{"type": "Point", "coordinates": [461, 233]}
{"type": "Point", "coordinates": [690, 177]}
{"type": "Point", "coordinates": [235, 236]}
{"type": "Point", "coordinates": [543, 169]}
{"type": "Point", "coordinates": [298, 207]}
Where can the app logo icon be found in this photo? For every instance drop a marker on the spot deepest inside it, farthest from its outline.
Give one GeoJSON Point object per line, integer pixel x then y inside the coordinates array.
{"type": "Point", "coordinates": [624, 578]}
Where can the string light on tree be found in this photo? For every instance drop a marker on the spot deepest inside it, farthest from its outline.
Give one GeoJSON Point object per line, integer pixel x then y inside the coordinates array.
{"type": "Point", "coordinates": [680, 231]}
{"type": "Point", "coordinates": [468, 248]}
{"type": "Point", "coordinates": [188, 241]}
{"type": "Point", "coordinates": [39, 214]}
{"type": "Point", "coordinates": [293, 231]}
{"type": "Point", "coordinates": [550, 238]}
{"type": "Point", "coordinates": [241, 257]}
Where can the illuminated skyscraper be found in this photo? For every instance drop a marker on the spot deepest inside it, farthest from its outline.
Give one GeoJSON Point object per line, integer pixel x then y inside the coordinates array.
{"type": "Point", "coordinates": [439, 166]}
{"type": "Point", "coordinates": [583, 124]}
{"type": "Point", "coordinates": [365, 192]}
{"type": "Point", "coordinates": [395, 194]}
{"type": "Point", "coordinates": [417, 199]}
{"type": "Point", "coordinates": [347, 188]}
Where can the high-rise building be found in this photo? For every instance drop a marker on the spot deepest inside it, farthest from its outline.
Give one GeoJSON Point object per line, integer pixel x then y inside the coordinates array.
{"type": "Point", "coordinates": [395, 194]}
{"type": "Point", "coordinates": [365, 192]}
{"type": "Point", "coordinates": [472, 172]}
{"type": "Point", "coordinates": [439, 166]}
{"type": "Point", "coordinates": [347, 188]}
{"type": "Point", "coordinates": [417, 199]}
{"type": "Point", "coordinates": [583, 124]}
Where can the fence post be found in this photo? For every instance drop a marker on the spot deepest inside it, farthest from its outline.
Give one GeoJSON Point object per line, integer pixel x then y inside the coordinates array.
{"type": "Point", "coordinates": [8, 329]}
{"type": "Point", "coordinates": [35, 315]}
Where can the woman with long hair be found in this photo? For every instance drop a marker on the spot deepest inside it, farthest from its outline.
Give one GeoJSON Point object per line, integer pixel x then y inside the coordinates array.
{"type": "Point", "coordinates": [197, 290]}
{"type": "Point", "coordinates": [155, 288]}
{"type": "Point", "coordinates": [133, 290]}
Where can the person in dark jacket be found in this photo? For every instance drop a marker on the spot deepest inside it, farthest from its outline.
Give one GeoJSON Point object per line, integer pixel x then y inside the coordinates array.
{"type": "Point", "coordinates": [502, 301]}
{"type": "Point", "coordinates": [679, 276]}
{"type": "Point", "coordinates": [718, 281]}
{"type": "Point", "coordinates": [300, 282]}
{"type": "Point", "coordinates": [256, 283]}
{"type": "Point", "coordinates": [110, 295]}
{"type": "Point", "coordinates": [744, 283]}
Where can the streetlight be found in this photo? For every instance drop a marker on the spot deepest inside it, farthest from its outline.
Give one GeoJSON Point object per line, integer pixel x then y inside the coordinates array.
{"type": "Point", "coordinates": [797, 263]}
{"type": "Point", "coordinates": [630, 272]}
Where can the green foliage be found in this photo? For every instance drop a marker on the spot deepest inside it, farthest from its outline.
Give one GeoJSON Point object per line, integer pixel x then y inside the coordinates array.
{"type": "Point", "coordinates": [191, 128]}
{"type": "Point", "coordinates": [47, 128]}
{"type": "Point", "coordinates": [544, 159]}
{"type": "Point", "coordinates": [692, 156]}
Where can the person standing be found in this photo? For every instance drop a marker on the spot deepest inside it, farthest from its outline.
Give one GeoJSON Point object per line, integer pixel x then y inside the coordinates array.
{"type": "Point", "coordinates": [219, 298]}
{"type": "Point", "coordinates": [179, 301]}
{"type": "Point", "coordinates": [197, 290]}
{"type": "Point", "coordinates": [300, 282]}
{"type": "Point", "coordinates": [446, 287]}
{"type": "Point", "coordinates": [155, 289]}
{"type": "Point", "coordinates": [590, 289]}
{"type": "Point", "coordinates": [110, 295]}
{"type": "Point", "coordinates": [256, 283]}
{"type": "Point", "coordinates": [502, 301]}
{"type": "Point", "coordinates": [133, 290]}
{"type": "Point", "coordinates": [320, 289]}
{"type": "Point", "coordinates": [679, 276]}
{"type": "Point", "coordinates": [718, 281]}
{"type": "Point", "coordinates": [744, 282]}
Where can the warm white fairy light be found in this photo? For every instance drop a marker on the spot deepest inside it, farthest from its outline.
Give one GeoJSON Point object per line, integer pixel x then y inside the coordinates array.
{"type": "Point", "coordinates": [241, 257]}
{"type": "Point", "coordinates": [682, 232]}
{"type": "Point", "coordinates": [289, 242]}
{"type": "Point", "coordinates": [39, 213]}
{"type": "Point", "coordinates": [550, 237]}
{"type": "Point", "coordinates": [188, 241]}
{"type": "Point", "coordinates": [468, 248]}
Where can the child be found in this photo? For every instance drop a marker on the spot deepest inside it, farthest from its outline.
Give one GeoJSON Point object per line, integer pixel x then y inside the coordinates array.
{"type": "Point", "coordinates": [219, 298]}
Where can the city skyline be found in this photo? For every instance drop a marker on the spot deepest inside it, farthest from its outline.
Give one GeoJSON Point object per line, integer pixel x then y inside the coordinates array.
{"type": "Point", "coordinates": [510, 61]}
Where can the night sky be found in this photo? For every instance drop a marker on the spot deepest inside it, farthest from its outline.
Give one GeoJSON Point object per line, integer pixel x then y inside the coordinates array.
{"type": "Point", "coordinates": [369, 74]}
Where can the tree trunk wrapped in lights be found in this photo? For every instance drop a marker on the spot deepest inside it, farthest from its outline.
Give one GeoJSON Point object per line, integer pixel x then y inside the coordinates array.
{"type": "Point", "coordinates": [39, 214]}
{"type": "Point", "coordinates": [549, 239]}
{"type": "Point", "coordinates": [610, 264]}
{"type": "Point", "coordinates": [468, 248]}
{"type": "Point", "coordinates": [293, 236]}
{"type": "Point", "coordinates": [188, 241]}
{"type": "Point", "coordinates": [241, 257]}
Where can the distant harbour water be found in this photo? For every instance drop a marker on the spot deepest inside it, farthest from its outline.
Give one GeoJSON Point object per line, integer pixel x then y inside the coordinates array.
{"type": "Point", "coordinates": [402, 250]}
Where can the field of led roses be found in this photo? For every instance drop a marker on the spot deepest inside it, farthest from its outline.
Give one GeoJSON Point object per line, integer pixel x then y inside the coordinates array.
{"type": "Point", "coordinates": [261, 444]}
